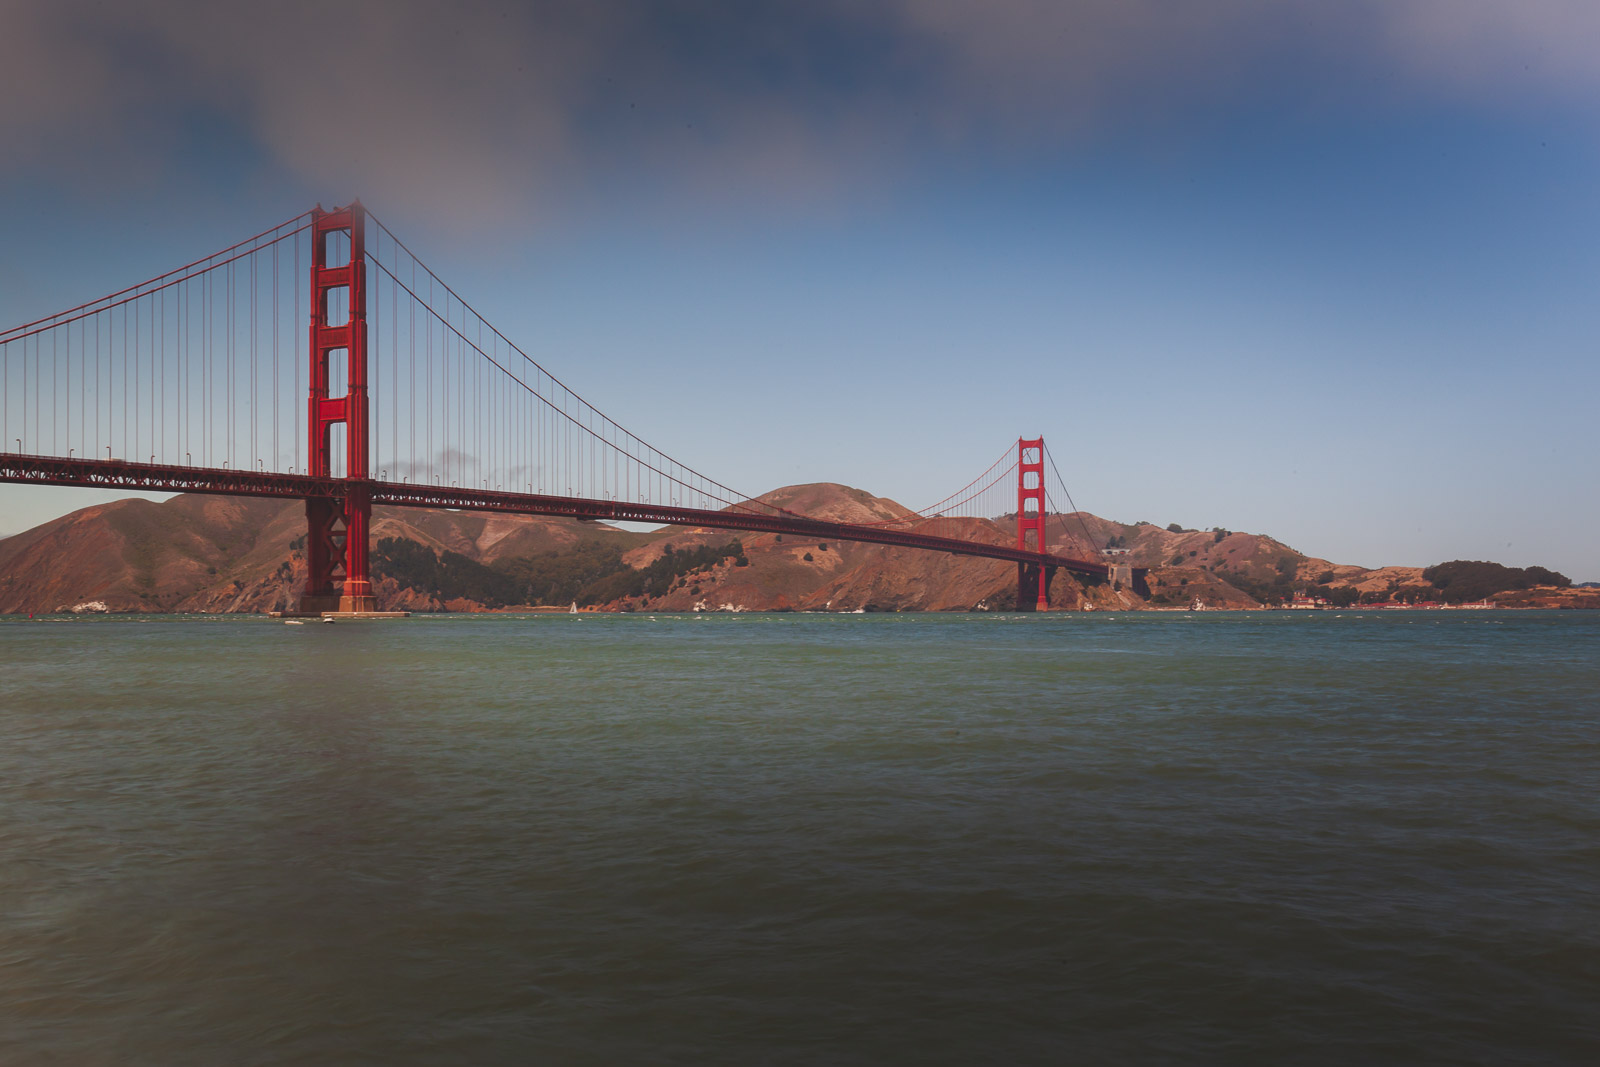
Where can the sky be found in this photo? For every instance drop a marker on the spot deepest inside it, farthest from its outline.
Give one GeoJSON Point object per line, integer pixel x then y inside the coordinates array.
{"type": "Point", "coordinates": [1327, 272]}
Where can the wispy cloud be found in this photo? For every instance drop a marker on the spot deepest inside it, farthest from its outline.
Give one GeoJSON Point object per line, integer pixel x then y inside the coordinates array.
{"type": "Point", "coordinates": [478, 110]}
{"type": "Point", "coordinates": [1490, 49]}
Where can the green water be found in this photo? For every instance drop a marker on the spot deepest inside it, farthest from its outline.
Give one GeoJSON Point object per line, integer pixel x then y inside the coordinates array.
{"type": "Point", "coordinates": [1228, 838]}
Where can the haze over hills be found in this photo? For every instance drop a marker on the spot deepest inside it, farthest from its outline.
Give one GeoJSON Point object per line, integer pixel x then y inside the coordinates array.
{"type": "Point", "coordinates": [196, 553]}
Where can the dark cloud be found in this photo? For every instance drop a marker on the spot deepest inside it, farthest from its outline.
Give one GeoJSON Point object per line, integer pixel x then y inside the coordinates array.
{"type": "Point", "coordinates": [478, 109]}
{"type": "Point", "coordinates": [412, 101]}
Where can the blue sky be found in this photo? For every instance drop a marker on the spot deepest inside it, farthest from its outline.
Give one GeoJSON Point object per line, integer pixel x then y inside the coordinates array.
{"type": "Point", "coordinates": [1326, 272]}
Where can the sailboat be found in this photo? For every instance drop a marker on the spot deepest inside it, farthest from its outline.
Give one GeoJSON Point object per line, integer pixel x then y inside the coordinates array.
{"type": "Point", "coordinates": [574, 608]}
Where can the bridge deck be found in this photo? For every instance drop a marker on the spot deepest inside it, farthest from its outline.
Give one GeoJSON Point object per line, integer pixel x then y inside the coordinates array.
{"type": "Point", "coordinates": [158, 477]}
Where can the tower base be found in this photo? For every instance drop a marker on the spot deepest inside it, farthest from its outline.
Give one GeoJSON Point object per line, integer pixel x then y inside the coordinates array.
{"type": "Point", "coordinates": [314, 606]}
{"type": "Point", "coordinates": [331, 615]}
{"type": "Point", "coordinates": [1033, 587]}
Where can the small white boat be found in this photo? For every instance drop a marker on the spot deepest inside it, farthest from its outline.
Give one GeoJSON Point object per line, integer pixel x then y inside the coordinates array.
{"type": "Point", "coordinates": [574, 609]}
{"type": "Point", "coordinates": [294, 622]}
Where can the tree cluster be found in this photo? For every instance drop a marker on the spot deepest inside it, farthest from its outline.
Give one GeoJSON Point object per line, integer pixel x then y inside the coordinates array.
{"type": "Point", "coordinates": [445, 576]}
{"type": "Point", "coordinates": [587, 573]}
{"type": "Point", "coordinates": [659, 577]}
{"type": "Point", "coordinates": [1272, 589]}
{"type": "Point", "coordinates": [1463, 580]}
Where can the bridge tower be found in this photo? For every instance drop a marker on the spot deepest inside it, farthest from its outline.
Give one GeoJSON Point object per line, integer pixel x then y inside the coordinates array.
{"type": "Point", "coordinates": [1030, 519]}
{"type": "Point", "coordinates": [336, 540]}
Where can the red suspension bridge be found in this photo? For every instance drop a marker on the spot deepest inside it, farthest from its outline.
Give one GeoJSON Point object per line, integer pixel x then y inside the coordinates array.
{"type": "Point", "coordinates": [194, 382]}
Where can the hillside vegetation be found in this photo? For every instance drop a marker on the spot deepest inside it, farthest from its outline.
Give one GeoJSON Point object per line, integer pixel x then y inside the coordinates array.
{"type": "Point", "coordinates": [585, 574]}
{"type": "Point", "coordinates": [1462, 581]}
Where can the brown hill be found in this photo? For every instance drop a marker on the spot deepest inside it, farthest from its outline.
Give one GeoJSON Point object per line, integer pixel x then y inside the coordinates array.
{"type": "Point", "coordinates": [199, 553]}
{"type": "Point", "coordinates": [1228, 569]}
{"type": "Point", "coordinates": [210, 553]}
{"type": "Point", "coordinates": [1546, 597]}
{"type": "Point", "coordinates": [786, 573]}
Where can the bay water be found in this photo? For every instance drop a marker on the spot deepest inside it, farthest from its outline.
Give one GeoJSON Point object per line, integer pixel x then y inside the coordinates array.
{"type": "Point", "coordinates": [1279, 837]}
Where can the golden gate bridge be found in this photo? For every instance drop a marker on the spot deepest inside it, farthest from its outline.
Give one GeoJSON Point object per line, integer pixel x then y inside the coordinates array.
{"type": "Point", "coordinates": [194, 381]}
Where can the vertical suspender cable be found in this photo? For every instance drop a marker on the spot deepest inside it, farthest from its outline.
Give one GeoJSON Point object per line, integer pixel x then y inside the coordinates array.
{"type": "Point", "coordinates": [205, 370]}
{"type": "Point", "coordinates": [295, 400]}
{"type": "Point", "coordinates": [411, 367]}
{"type": "Point", "coordinates": [394, 371]}
{"type": "Point", "coordinates": [375, 429]}
{"type": "Point", "coordinates": [228, 351]}
{"type": "Point", "coordinates": [255, 450]}
{"type": "Point", "coordinates": [161, 376]}
{"type": "Point", "coordinates": [138, 355]}
{"type": "Point", "coordinates": [277, 384]}
{"type": "Point", "coordinates": [125, 381]}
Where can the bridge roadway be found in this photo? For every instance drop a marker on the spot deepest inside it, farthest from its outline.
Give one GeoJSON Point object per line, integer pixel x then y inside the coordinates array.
{"type": "Point", "coordinates": [160, 477]}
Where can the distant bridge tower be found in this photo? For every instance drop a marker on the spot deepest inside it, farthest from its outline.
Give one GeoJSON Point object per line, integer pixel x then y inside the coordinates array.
{"type": "Point", "coordinates": [336, 541]}
{"type": "Point", "coordinates": [1033, 581]}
